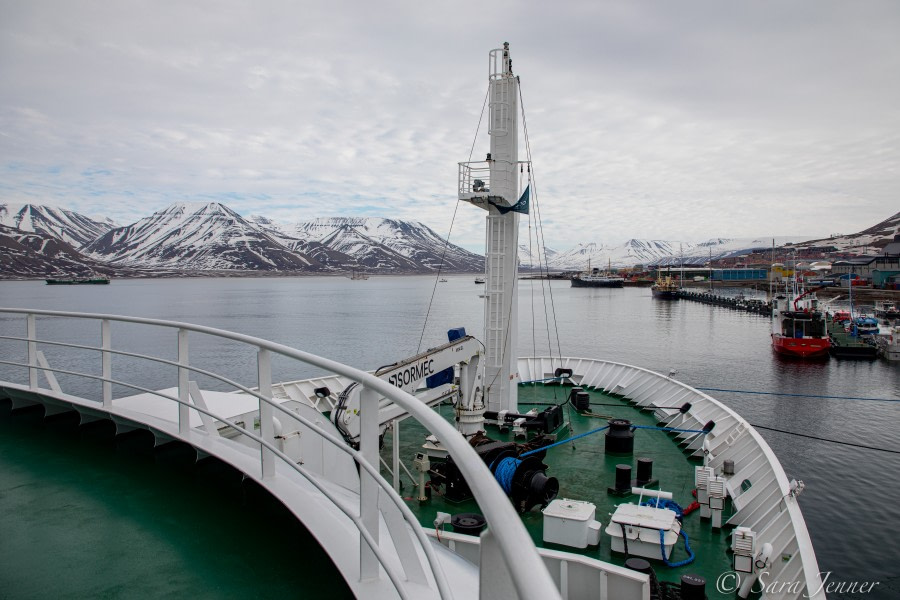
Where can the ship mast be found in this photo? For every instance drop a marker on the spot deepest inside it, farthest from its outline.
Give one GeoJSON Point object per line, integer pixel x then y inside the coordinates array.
{"type": "Point", "coordinates": [490, 184]}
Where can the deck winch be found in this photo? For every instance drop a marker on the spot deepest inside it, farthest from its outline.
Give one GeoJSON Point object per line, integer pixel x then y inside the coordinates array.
{"type": "Point", "coordinates": [524, 480]}
{"type": "Point", "coordinates": [546, 421]}
{"type": "Point", "coordinates": [619, 437]}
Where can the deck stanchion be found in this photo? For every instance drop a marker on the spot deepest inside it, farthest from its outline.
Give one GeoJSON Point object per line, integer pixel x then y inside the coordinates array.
{"type": "Point", "coordinates": [184, 415]}
{"type": "Point", "coordinates": [32, 351]}
{"type": "Point", "coordinates": [395, 453]}
{"type": "Point", "coordinates": [106, 362]}
{"type": "Point", "coordinates": [368, 487]}
{"type": "Point", "coordinates": [266, 414]}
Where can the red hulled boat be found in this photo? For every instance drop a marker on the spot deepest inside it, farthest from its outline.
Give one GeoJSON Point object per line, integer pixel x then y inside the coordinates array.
{"type": "Point", "coordinates": [798, 327]}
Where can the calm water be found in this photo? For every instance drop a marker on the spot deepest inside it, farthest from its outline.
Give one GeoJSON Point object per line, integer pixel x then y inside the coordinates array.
{"type": "Point", "coordinates": [849, 502]}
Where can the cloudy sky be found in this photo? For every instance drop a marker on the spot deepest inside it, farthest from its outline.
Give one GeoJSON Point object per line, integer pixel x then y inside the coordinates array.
{"type": "Point", "coordinates": [661, 120]}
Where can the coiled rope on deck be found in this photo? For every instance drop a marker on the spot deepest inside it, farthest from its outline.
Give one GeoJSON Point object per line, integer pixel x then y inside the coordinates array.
{"type": "Point", "coordinates": [667, 504]}
{"type": "Point", "coordinates": [505, 468]}
{"type": "Point", "coordinates": [504, 472]}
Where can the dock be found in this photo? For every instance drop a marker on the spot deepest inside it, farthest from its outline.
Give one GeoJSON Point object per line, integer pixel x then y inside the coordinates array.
{"type": "Point", "coordinates": [752, 305]}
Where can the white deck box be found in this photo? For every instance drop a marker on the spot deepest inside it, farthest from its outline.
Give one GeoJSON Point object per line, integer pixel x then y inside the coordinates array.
{"type": "Point", "coordinates": [571, 523]}
{"type": "Point", "coordinates": [642, 525]}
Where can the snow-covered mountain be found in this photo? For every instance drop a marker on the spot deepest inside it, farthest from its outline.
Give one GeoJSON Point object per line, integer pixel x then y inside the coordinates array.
{"type": "Point", "coordinates": [719, 248]}
{"type": "Point", "coordinates": [877, 236]}
{"type": "Point", "coordinates": [660, 252]}
{"type": "Point", "coordinates": [376, 244]}
{"type": "Point", "coordinates": [41, 240]}
{"type": "Point", "coordinates": [30, 254]}
{"type": "Point", "coordinates": [70, 227]}
{"type": "Point", "coordinates": [197, 237]}
{"type": "Point", "coordinates": [630, 253]}
{"type": "Point", "coordinates": [531, 257]}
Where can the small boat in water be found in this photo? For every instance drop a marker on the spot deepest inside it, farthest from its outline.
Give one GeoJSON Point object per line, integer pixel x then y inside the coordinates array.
{"type": "Point", "coordinates": [888, 343]}
{"type": "Point", "coordinates": [665, 288]}
{"type": "Point", "coordinates": [479, 280]}
{"type": "Point", "coordinates": [79, 281]}
{"type": "Point", "coordinates": [887, 310]}
{"type": "Point", "coordinates": [866, 325]}
{"type": "Point", "coordinates": [798, 327]}
{"type": "Point", "coordinates": [846, 341]}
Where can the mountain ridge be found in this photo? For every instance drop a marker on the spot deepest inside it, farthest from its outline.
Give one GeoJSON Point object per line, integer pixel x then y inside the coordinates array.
{"type": "Point", "coordinates": [210, 237]}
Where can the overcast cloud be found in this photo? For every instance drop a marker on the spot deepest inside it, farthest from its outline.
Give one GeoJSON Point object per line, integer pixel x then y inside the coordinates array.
{"type": "Point", "coordinates": [667, 120]}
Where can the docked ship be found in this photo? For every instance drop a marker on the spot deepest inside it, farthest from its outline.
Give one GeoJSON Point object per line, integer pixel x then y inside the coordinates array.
{"type": "Point", "coordinates": [888, 343]}
{"type": "Point", "coordinates": [597, 278]}
{"type": "Point", "coordinates": [665, 288]}
{"type": "Point", "coordinates": [887, 310]}
{"type": "Point", "coordinates": [502, 505]}
{"type": "Point", "coordinates": [846, 339]}
{"type": "Point", "coordinates": [798, 326]}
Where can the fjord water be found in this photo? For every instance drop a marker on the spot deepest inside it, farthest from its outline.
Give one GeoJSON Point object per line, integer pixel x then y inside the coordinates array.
{"type": "Point", "coordinates": [123, 513]}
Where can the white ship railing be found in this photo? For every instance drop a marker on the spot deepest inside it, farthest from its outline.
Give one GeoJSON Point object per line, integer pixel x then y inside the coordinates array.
{"type": "Point", "coordinates": [767, 505]}
{"type": "Point", "coordinates": [474, 180]}
{"type": "Point", "coordinates": [404, 571]}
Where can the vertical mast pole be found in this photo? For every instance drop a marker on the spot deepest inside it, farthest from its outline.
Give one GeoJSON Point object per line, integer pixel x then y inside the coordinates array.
{"type": "Point", "coordinates": [502, 238]}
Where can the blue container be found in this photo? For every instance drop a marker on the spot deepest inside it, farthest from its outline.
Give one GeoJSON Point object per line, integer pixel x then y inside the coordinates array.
{"type": "Point", "coordinates": [456, 334]}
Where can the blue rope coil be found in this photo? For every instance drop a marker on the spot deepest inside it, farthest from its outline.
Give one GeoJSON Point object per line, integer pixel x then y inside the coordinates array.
{"type": "Point", "coordinates": [687, 546]}
{"type": "Point", "coordinates": [504, 472]}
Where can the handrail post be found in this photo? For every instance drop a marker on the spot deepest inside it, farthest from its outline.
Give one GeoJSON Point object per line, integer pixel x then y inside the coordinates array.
{"type": "Point", "coordinates": [395, 454]}
{"type": "Point", "coordinates": [368, 487]}
{"type": "Point", "coordinates": [184, 412]}
{"type": "Point", "coordinates": [266, 414]}
{"type": "Point", "coordinates": [106, 362]}
{"type": "Point", "coordinates": [31, 329]}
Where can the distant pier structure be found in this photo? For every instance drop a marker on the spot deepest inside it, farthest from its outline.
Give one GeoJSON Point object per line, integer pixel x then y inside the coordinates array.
{"type": "Point", "coordinates": [752, 305]}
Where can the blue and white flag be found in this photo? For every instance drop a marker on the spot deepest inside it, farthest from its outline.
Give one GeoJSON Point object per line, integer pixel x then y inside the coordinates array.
{"type": "Point", "coordinates": [520, 207]}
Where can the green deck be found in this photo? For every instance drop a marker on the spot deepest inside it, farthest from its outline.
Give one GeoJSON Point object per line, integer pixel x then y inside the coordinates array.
{"type": "Point", "coordinates": [585, 472]}
{"type": "Point", "coordinates": [845, 345]}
